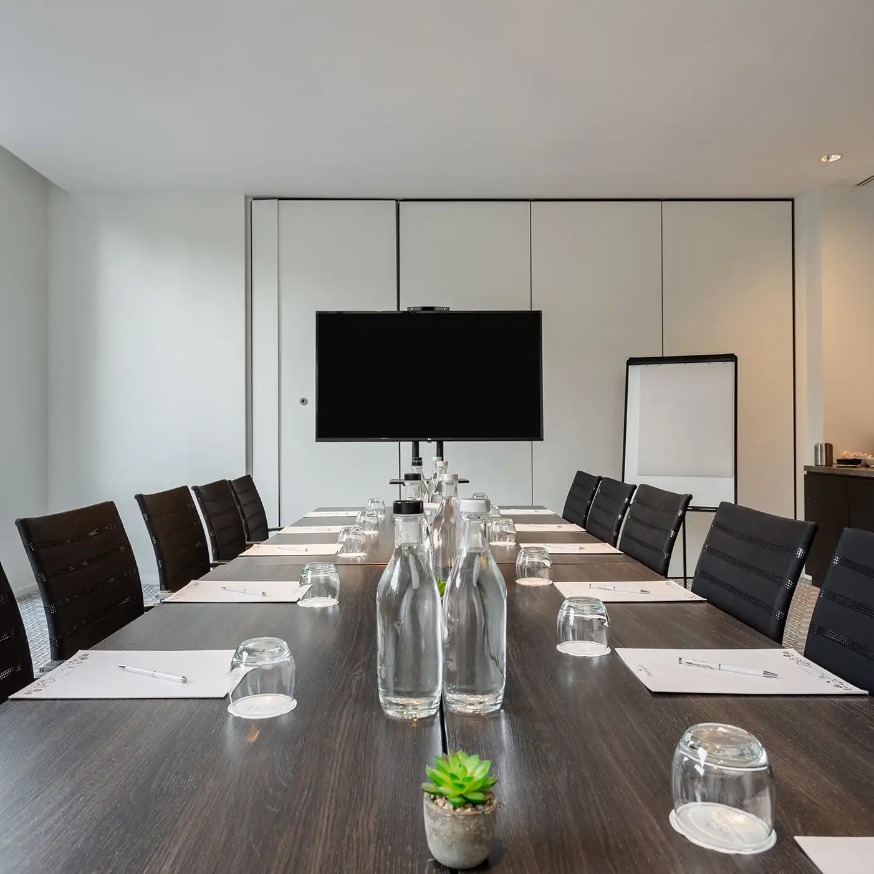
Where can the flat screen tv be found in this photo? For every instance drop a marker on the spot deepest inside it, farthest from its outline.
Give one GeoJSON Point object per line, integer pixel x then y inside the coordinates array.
{"type": "Point", "coordinates": [429, 375]}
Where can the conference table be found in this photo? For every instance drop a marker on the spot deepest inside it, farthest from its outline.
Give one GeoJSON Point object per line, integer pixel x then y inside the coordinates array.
{"type": "Point", "coordinates": [581, 749]}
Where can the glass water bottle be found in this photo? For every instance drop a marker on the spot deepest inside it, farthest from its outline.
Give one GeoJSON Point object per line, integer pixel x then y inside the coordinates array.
{"type": "Point", "coordinates": [409, 623]}
{"type": "Point", "coordinates": [431, 482]}
{"type": "Point", "coordinates": [474, 621]}
{"type": "Point", "coordinates": [441, 468]}
{"type": "Point", "coordinates": [446, 528]}
{"type": "Point", "coordinates": [414, 487]}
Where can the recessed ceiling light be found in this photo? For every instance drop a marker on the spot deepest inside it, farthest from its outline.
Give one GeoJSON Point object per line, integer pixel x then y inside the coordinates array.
{"type": "Point", "coordinates": [830, 159]}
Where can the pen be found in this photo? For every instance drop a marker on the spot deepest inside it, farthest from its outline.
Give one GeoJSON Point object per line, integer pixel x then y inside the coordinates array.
{"type": "Point", "coordinates": [619, 589]}
{"type": "Point", "coordinates": [244, 591]}
{"type": "Point", "coordinates": [718, 666]}
{"type": "Point", "coordinates": [156, 674]}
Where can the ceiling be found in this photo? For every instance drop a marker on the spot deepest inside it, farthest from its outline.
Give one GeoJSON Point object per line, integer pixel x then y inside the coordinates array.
{"type": "Point", "coordinates": [441, 98]}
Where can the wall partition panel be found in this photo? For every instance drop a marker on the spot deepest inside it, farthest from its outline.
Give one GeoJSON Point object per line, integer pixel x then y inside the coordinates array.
{"type": "Point", "coordinates": [332, 255]}
{"type": "Point", "coordinates": [596, 274]}
{"type": "Point", "coordinates": [264, 354]}
{"type": "Point", "coordinates": [728, 288]}
{"type": "Point", "coordinates": [469, 256]}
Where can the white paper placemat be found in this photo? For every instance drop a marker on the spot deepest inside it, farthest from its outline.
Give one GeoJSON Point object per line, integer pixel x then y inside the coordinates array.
{"type": "Point", "coordinates": [660, 671]}
{"type": "Point", "coordinates": [292, 549]}
{"type": "Point", "coordinates": [94, 673]}
{"type": "Point", "coordinates": [577, 548]}
{"type": "Point", "coordinates": [558, 526]}
{"type": "Point", "coordinates": [310, 529]}
{"type": "Point", "coordinates": [332, 513]}
{"type": "Point", "coordinates": [524, 511]}
{"type": "Point", "coordinates": [839, 855]}
{"type": "Point", "coordinates": [230, 592]}
{"type": "Point", "coordinates": [629, 591]}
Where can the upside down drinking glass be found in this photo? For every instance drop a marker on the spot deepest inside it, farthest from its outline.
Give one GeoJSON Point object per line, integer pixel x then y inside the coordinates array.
{"type": "Point", "coordinates": [723, 788]}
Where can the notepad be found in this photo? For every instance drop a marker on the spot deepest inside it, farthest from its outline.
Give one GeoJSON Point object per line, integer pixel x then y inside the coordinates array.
{"type": "Point", "coordinates": [526, 511]}
{"type": "Point", "coordinates": [310, 529]}
{"type": "Point", "coordinates": [558, 526]}
{"type": "Point", "coordinates": [332, 513]}
{"type": "Point", "coordinates": [289, 549]}
{"type": "Point", "coordinates": [223, 592]}
{"type": "Point", "coordinates": [94, 673]}
{"type": "Point", "coordinates": [839, 855]}
{"type": "Point", "coordinates": [577, 548]}
{"type": "Point", "coordinates": [656, 591]}
{"type": "Point", "coordinates": [660, 671]}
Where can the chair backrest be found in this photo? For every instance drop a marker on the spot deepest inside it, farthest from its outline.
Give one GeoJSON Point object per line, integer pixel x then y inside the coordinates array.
{"type": "Point", "coordinates": [579, 498]}
{"type": "Point", "coordinates": [608, 509]}
{"type": "Point", "coordinates": [223, 521]}
{"type": "Point", "coordinates": [86, 573]}
{"type": "Point", "coordinates": [841, 637]}
{"type": "Point", "coordinates": [16, 667]}
{"type": "Point", "coordinates": [177, 536]}
{"type": "Point", "coordinates": [750, 564]}
{"type": "Point", "coordinates": [250, 507]}
{"type": "Point", "coordinates": [651, 527]}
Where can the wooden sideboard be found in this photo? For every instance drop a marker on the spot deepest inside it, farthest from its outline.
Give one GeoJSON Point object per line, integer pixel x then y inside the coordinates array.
{"type": "Point", "coordinates": [835, 498]}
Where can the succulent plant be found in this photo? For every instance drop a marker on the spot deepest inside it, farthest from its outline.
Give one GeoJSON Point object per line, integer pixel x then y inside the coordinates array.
{"type": "Point", "coordinates": [441, 586]}
{"type": "Point", "coordinates": [460, 779]}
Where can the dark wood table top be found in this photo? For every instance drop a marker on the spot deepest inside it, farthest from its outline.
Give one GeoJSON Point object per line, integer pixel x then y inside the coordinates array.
{"type": "Point", "coordinates": [182, 786]}
{"type": "Point", "coordinates": [581, 748]}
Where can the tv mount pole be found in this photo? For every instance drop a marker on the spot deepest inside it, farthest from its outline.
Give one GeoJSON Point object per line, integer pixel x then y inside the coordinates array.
{"type": "Point", "coordinates": [427, 309]}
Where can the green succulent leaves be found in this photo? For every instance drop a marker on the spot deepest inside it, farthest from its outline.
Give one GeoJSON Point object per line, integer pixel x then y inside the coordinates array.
{"type": "Point", "coordinates": [460, 779]}
{"type": "Point", "coordinates": [441, 586]}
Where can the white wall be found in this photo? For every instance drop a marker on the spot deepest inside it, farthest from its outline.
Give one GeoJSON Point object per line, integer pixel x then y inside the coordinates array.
{"type": "Point", "coordinates": [146, 348]}
{"type": "Point", "coordinates": [24, 233]}
{"type": "Point", "coordinates": [596, 274]}
{"type": "Point", "coordinates": [847, 290]}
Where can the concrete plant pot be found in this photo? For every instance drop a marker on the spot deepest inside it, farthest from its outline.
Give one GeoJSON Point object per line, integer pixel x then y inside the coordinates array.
{"type": "Point", "coordinates": [459, 837]}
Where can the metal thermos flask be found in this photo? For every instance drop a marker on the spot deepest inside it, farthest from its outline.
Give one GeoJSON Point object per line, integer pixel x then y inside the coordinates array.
{"type": "Point", "coordinates": [823, 454]}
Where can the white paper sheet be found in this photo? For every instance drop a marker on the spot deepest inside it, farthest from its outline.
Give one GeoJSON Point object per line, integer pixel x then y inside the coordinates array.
{"type": "Point", "coordinates": [657, 590]}
{"type": "Point", "coordinates": [95, 673]}
{"type": "Point", "coordinates": [839, 855]}
{"type": "Point", "coordinates": [558, 526]}
{"type": "Point", "coordinates": [660, 671]}
{"type": "Point", "coordinates": [310, 529]}
{"type": "Point", "coordinates": [280, 549]}
{"type": "Point", "coordinates": [214, 592]}
{"type": "Point", "coordinates": [336, 514]}
{"type": "Point", "coordinates": [577, 548]}
{"type": "Point", "coordinates": [524, 511]}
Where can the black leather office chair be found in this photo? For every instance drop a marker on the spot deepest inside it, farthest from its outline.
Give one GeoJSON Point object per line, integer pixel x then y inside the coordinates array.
{"type": "Point", "coordinates": [841, 636]}
{"type": "Point", "coordinates": [608, 509]}
{"type": "Point", "coordinates": [224, 524]}
{"type": "Point", "coordinates": [580, 496]}
{"type": "Point", "coordinates": [177, 537]}
{"type": "Point", "coordinates": [16, 667]}
{"type": "Point", "coordinates": [651, 527]}
{"type": "Point", "coordinates": [750, 564]}
{"type": "Point", "coordinates": [251, 508]}
{"type": "Point", "coordinates": [86, 573]}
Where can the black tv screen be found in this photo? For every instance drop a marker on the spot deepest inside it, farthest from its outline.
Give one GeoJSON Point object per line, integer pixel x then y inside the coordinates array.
{"type": "Point", "coordinates": [429, 375]}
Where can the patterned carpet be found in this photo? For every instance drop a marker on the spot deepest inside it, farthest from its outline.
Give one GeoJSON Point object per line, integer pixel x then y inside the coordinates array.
{"type": "Point", "coordinates": [34, 618]}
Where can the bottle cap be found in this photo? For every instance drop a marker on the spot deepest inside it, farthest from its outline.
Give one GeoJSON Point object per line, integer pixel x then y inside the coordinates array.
{"type": "Point", "coordinates": [412, 477]}
{"type": "Point", "coordinates": [473, 505]}
{"type": "Point", "coordinates": [437, 458]}
{"type": "Point", "coordinates": [407, 508]}
{"type": "Point", "coordinates": [449, 477]}
{"type": "Point", "coordinates": [417, 461]}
